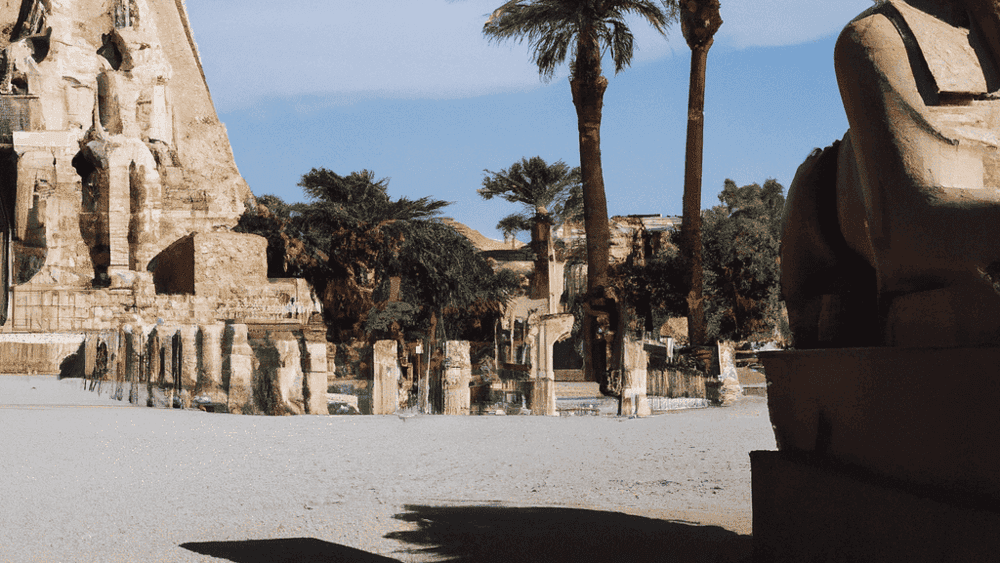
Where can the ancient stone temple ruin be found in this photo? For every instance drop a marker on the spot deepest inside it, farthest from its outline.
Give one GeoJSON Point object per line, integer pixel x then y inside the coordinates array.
{"type": "Point", "coordinates": [118, 190]}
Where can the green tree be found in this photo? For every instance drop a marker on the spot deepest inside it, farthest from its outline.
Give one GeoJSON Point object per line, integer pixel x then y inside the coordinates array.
{"type": "Point", "coordinates": [741, 245]}
{"type": "Point", "coordinates": [352, 240]}
{"type": "Point", "coordinates": [700, 20]}
{"type": "Point", "coordinates": [544, 191]}
{"type": "Point", "coordinates": [445, 286]}
{"type": "Point", "coordinates": [553, 28]}
{"type": "Point", "coordinates": [651, 283]}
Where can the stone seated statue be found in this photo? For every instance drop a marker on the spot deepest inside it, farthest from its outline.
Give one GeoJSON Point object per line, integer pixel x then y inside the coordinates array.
{"type": "Point", "coordinates": [892, 235]}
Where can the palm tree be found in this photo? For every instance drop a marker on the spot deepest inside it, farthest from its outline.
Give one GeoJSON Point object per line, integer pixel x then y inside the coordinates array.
{"type": "Point", "coordinates": [700, 20]}
{"type": "Point", "coordinates": [587, 27]}
{"type": "Point", "coordinates": [543, 189]}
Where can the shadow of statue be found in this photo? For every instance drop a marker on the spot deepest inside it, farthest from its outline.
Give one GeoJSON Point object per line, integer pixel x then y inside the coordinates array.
{"type": "Point", "coordinates": [485, 534]}
{"type": "Point", "coordinates": [285, 550]}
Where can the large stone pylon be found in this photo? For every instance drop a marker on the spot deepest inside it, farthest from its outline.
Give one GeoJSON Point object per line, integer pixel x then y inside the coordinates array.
{"type": "Point", "coordinates": [111, 145]}
{"type": "Point", "coordinates": [118, 190]}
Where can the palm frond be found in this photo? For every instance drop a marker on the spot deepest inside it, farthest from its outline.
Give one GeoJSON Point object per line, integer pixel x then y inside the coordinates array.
{"type": "Point", "coordinates": [553, 27]}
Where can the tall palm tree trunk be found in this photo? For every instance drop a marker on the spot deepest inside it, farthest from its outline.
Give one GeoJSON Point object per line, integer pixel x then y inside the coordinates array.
{"type": "Point", "coordinates": [588, 88]}
{"type": "Point", "coordinates": [700, 20]}
{"type": "Point", "coordinates": [691, 223]}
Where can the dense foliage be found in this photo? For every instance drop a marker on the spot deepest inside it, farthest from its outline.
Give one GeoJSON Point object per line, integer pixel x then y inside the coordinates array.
{"type": "Point", "coordinates": [742, 265]}
{"type": "Point", "coordinates": [741, 241]}
{"type": "Point", "coordinates": [381, 267]}
{"type": "Point", "coordinates": [544, 191]}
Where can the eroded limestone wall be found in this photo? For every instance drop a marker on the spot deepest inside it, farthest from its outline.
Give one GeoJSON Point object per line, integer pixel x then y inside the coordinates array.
{"type": "Point", "coordinates": [227, 368]}
{"type": "Point", "coordinates": [118, 149]}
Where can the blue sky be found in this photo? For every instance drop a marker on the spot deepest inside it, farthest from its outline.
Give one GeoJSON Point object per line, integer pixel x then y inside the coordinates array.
{"type": "Point", "coordinates": [411, 90]}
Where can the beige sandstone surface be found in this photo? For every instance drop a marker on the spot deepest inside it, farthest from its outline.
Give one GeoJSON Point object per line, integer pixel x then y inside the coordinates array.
{"type": "Point", "coordinates": [87, 478]}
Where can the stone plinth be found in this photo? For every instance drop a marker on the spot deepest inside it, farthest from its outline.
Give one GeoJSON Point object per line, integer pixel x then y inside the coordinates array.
{"type": "Point", "coordinates": [210, 373]}
{"type": "Point", "coordinates": [237, 368]}
{"type": "Point", "coordinates": [804, 510]}
{"type": "Point", "coordinates": [36, 353]}
{"type": "Point", "coordinates": [289, 372]}
{"type": "Point", "coordinates": [456, 377]}
{"type": "Point", "coordinates": [315, 366]}
{"type": "Point", "coordinates": [385, 375]}
{"type": "Point", "coordinates": [634, 400]}
{"type": "Point", "coordinates": [887, 454]}
{"type": "Point", "coordinates": [915, 415]}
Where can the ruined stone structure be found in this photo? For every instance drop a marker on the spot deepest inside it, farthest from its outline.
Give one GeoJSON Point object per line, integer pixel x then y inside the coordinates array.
{"type": "Point", "coordinates": [890, 270]}
{"type": "Point", "coordinates": [118, 190]}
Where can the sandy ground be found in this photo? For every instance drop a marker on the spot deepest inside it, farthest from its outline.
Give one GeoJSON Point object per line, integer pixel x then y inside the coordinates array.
{"type": "Point", "coordinates": [87, 478]}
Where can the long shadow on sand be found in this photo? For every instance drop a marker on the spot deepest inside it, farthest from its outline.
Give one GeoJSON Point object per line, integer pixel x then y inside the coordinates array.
{"type": "Point", "coordinates": [287, 550]}
{"type": "Point", "coordinates": [511, 534]}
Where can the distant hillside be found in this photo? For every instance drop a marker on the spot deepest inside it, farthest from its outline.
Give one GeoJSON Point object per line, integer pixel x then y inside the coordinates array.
{"type": "Point", "coordinates": [479, 240]}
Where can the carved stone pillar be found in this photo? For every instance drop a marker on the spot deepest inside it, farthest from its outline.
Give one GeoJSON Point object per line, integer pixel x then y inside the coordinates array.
{"type": "Point", "coordinates": [210, 375]}
{"type": "Point", "coordinates": [237, 367]}
{"type": "Point", "coordinates": [385, 372]}
{"type": "Point", "coordinates": [316, 370]}
{"type": "Point", "coordinates": [457, 374]}
{"type": "Point", "coordinates": [288, 372]}
{"type": "Point", "coordinates": [188, 363]}
{"type": "Point", "coordinates": [634, 400]}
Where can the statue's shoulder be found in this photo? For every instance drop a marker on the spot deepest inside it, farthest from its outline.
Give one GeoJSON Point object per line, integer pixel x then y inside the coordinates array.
{"type": "Point", "coordinates": [945, 46]}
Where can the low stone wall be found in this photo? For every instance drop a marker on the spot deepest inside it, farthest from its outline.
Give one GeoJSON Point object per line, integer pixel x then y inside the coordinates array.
{"type": "Point", "coordinates": [669, 378]}
{"type": "Point", "coordinates": [231, 367]}
{"type": "Point", "coordinates": [37, 353]}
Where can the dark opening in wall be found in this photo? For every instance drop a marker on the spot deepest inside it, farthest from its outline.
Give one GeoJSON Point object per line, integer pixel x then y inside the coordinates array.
{"type": "Point", "coordinates": [93, 217]}
{"type": "Point", "coordinates": [109, 50]}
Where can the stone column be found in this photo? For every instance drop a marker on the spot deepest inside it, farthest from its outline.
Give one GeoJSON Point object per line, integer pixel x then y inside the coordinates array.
{"type": "Point", "coordinates": [237, 367]}
{"type": "Point", "coordinates": [423, 380]}
{"type": "Point", "coordinates": [730, 389]}
{"type": "Point", "coordinates": [91, 339]}
{"type": "Point", "coordinates": [547, 330]}
{"type": "Point", "coordinates": [634, 400]}
{"type": "Point", "coordinates": [188, 363]}
{"type": "Point", "coordinates": [289, 371]}
{"type": "Point", "coordinates": [133, 361]}
{"type": "Point", "coordinates": [169, 367]}
{"type": "Point", "coordinates": [210, 375]}
{"type": "Point", "coordinates": [385, 372]}
{"type": "Point", "coordinates": [121, 356]}
{"type": "Point", "coordinates": [118, 215]}
{"type": "Point", "coordinates": [457, 374]}
{"type": "Point", "coordinates": [316, 370]}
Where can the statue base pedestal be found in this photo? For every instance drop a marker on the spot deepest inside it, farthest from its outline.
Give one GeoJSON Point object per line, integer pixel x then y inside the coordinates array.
{"type": "Point", "coordinates": [927, 416]}
{"type": "Point", "coordinates": [887, 454]}
{"type": "Point", "coordinates": [810, 510]}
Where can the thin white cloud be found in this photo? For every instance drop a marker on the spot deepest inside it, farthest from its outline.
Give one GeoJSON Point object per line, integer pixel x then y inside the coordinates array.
{"type": "Point", "coordinates": [767, 23]}
{"type": "Point", "coordinates": [427, 48]}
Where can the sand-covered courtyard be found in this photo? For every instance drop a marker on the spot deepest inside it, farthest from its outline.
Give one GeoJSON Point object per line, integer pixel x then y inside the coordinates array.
{"type": "Point", "coordinates": [89, 478]}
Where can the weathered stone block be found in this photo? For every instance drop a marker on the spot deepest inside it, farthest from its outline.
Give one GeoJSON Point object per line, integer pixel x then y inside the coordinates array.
{"type": "Point", "coordinates": [634, 400]}
{"type": "Point", "coordinates": [237, 368]}
{"type": "Point", "coordinates": [804, 510]}
{"type": "Point", "coordinates": [314, 365]}
{"type": "Point", "coordinates": [217, 263]}
{"type": "Point", "coordinates": [456, 377]}
{"type": "Point", "coordinates": [385, 376]}
{"type": "Point", "coordinates": [906, 413]}
{"type": "Point", "coordinates": [210, 372]}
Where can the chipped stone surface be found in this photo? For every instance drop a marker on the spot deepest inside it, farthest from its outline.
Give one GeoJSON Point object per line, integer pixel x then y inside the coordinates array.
{"type": "Point", "coordinates": [119, 191]}
{"type": "Point", "coordinates": [456, 377]}
{"type": "Point", "coordinates": [907, 204]}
